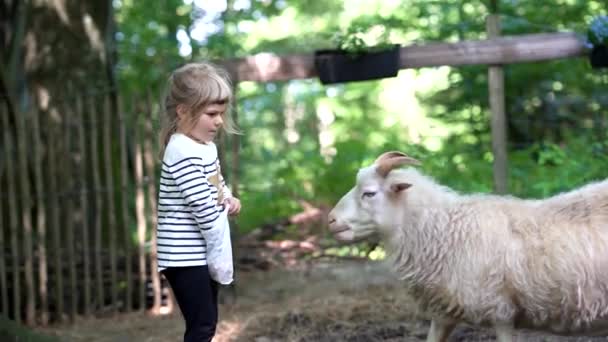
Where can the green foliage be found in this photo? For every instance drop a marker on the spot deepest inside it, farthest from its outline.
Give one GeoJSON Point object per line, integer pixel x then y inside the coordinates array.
{"type": "Point", "coordinates": [547, 168]}
{"type": "Point", "coordinates": [556, 109]}
{"type": "Point", "coordinates": [361, 250]}
{"type": "Point", "coordinates": [554, 92]}
{"type": "Point", "coordinates": [598, 31]}
{"type": "Point", "coordinates": [358, 39]}
{"type": "Point", "coordinates": [147, 45]}
{"type": "Point", "coordinates": [541, 170]}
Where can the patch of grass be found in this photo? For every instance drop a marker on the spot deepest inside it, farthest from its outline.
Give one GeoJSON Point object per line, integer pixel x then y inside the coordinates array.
{"type": "Point", "coordinates": [11, 331]}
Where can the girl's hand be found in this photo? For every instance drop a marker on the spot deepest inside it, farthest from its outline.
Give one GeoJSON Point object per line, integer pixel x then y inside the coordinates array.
{"type": "Point", "coordinates": [234, 205]}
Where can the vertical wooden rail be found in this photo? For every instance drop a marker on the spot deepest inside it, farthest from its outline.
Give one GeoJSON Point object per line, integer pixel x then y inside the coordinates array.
{"type": "Point", "coordinates": [4, 230]}
{"type": "Point", "coordinates": [9, 144]}
{"type": "Point", "coordinates": [54, 212]}
{"type": "Point", "coordinates": [70, 191]}
{"type": "Point", "coordinates": [3, 277]}
{"type": "Point", "coordinates": [26, 219]}
{"type": "Point", "coordinates": [149, 158]}
{"type": "Point", "coordinates": [124, 208]}
{"type": "Point", "coordinates": [3, 250]}
{"type": "Point", "coordinates": [140, 206]}
{"type": "Point", "coordinates": [111, 212]}
{"type": "Point", "coordinates": [41, 221]}
{"type": "Point", "coordinates": [84, 205]}
{"type": "Point", "coordinates": [236, 145]}
{"type": "Point", "coordinates": [496, 84]}
{"type": "Point", "coordinates": [93, 138]}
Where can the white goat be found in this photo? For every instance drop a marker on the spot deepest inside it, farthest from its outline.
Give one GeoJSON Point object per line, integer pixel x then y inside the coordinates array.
{"type": "Point", "coordinates": [486, 260]}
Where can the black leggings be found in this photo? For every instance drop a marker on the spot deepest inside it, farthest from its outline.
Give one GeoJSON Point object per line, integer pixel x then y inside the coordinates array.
{"type": "Point", "coordinates": [196, 295]}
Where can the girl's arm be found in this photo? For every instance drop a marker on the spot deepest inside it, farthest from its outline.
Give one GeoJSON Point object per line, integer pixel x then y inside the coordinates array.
{"type": "Point", "coordinates": [232, 202]}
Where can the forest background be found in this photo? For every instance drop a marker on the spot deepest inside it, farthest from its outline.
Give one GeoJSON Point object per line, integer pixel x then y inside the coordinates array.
{"type": "Point", "coordinates": [303, 141]}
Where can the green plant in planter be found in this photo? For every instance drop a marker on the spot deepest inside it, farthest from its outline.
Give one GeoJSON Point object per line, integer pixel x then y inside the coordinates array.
{"type": "Point", "coordinates": [355, 59]}
{"type": "Point", "coordinates": [597, 41]}
{"type": "Point", "coordinates": [598, 31]}
{"type": "Point", "coordinates": [353, 41]}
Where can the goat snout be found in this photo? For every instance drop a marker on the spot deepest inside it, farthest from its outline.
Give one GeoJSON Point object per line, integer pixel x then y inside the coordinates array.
{"type": "Point", "coordinates": [333, 223]}
{"type": "Point", "coordinates": [338, 228]}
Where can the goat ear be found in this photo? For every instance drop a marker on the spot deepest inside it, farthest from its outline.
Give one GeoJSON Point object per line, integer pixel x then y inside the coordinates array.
{"type": "Point", "coordinates": [390, 160]}
{"type": "Point", "coordinates": [398, 187]}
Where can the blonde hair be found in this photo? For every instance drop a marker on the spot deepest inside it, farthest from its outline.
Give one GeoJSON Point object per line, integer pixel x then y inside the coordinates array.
{"type": "Point", "coordinates": [195, 86]}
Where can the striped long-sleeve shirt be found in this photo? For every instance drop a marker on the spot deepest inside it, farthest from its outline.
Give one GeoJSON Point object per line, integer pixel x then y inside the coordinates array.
{"type": "Point", "coordinates": [189, 202]}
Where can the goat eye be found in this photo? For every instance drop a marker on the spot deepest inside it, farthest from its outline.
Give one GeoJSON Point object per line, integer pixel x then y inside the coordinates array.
{"type": "Point", "coordinates": [369, 194]}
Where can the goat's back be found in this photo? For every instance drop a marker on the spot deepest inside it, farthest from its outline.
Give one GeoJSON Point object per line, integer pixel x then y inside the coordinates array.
{"type": "Point", "coordinates": [558, 267]}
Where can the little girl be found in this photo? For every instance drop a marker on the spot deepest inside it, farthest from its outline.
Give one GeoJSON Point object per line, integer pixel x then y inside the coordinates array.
{"type": "Point", "coordinates": [192, 230]}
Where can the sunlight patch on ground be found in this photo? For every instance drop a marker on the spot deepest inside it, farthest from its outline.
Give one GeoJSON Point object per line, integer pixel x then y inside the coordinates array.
{"type": "Point", "coordinates": [227, 330]}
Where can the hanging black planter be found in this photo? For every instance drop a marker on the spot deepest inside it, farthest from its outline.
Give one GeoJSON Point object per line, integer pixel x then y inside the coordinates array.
{"type": "Point", "coordinates": [337, 66]}
{"type": "Point", "coordinates": [599, 56]}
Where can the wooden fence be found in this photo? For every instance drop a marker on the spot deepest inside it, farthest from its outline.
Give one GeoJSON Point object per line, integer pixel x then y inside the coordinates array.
{"type": "Point", "coordinates": [77, 216]}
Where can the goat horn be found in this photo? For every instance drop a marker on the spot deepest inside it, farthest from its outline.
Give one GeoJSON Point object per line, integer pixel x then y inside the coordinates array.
{"type": "Point", "coordinates": [390, 160]}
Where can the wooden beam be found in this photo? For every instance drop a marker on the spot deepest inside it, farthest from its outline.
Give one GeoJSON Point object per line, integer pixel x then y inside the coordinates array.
{"type": "Point", "coordinates": [266, 67]}
{"type": "Point", "coordinates": [499, 50]}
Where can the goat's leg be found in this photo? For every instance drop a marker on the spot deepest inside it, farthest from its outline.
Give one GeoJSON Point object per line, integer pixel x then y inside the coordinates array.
{"type": "Point", "coordinates": [440, 330]}
{"type": "Point", "coordinates": [504, 333]}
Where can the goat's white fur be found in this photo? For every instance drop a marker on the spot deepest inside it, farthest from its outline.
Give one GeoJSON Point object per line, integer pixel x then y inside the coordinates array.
{"type": "Point", "coordinates": [487, 259]}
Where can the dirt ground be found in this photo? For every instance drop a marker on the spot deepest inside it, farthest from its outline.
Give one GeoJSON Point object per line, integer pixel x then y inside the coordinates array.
{"type": "Point", "coordinates": [345, 301]}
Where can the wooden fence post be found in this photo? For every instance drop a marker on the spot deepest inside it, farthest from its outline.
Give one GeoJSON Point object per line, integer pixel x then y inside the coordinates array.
{"type": "Point", "coordinates": [54, 213]}
{"type": "Point", "coordinates": [236, 146]}
{"type": "Point", "coordinates": [3, 277]}
{"type": "Point", "coordinates": [84, 205]}
{"type": "Point", "coordinates": [124, 208]}
{"type": "Point", "coordinates": [9, 144]}
{"type": "Point", "coordinates": [98, 199]}
{"type": "Point", "coordinates": [109, 186]}
{"type": "Point", "coordinates": [40, 221]}
{"type": "Point", "coordinates": [4, 230]}
{"type": "Point", "coordinates": [67, 173]}
{"type": "Point", "coordinates": [26, 218]}
{"type": "Point", "coordinates": [140, 213]}
{"type": "Point", "coordinates": [498, 121]}
{"type": "Point", "coordinates": [149, 157]}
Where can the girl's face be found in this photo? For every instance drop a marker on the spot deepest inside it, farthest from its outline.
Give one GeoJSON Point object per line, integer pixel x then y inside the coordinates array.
{"type": "Point", "coordinates": [209, 122]}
